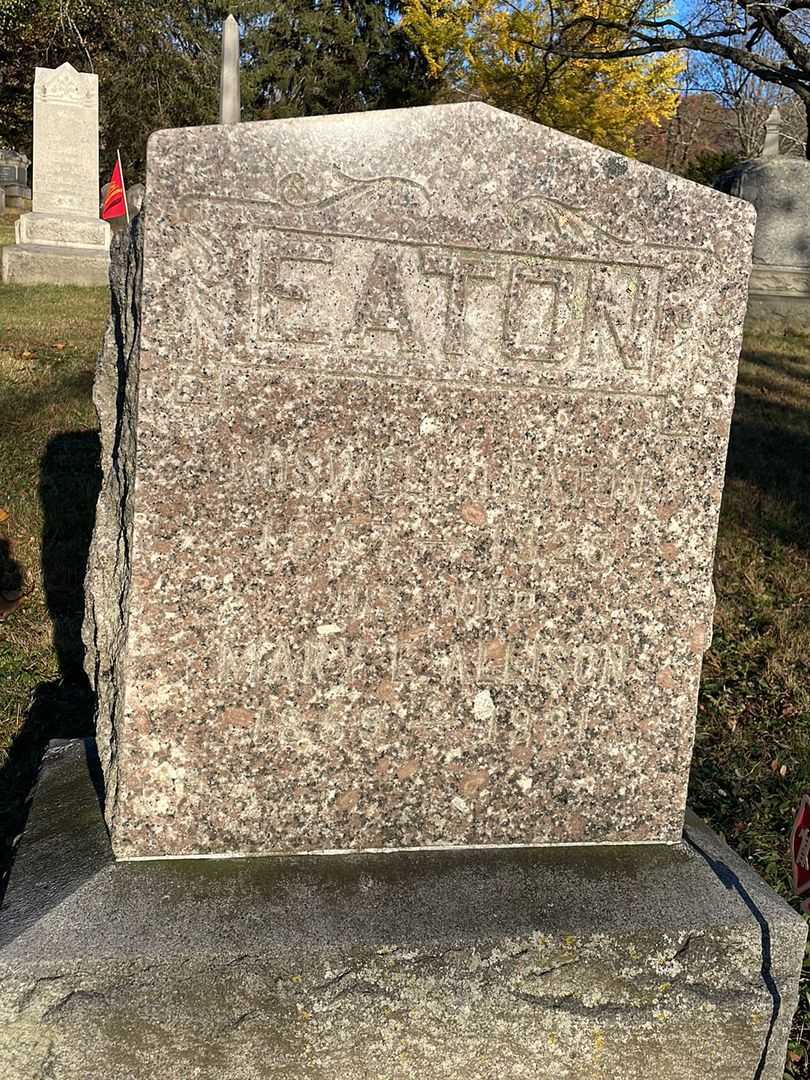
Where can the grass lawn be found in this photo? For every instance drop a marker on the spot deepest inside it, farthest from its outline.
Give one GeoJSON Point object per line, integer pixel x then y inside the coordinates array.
{"type": "Point", "coordinates": [48, 482]}
{"type": "Point", "coordinates": [752, 755]}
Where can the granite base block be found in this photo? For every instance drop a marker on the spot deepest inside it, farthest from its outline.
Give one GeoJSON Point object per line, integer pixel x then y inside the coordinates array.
{"type": "Point", "coordinates": [608, 963]}
{"type": "Point", "coordinates": [47, 264]}
{"type": "Point", "coordinates": [91, 234]}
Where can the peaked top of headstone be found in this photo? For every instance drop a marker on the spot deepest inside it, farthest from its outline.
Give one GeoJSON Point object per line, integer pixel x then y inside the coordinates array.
{"type": "Point", "coordinates": [65, 85]}
{"type": "Point", "coordinates": [508, 161]}
{"type": "Point", "coordinates": [7, 153]}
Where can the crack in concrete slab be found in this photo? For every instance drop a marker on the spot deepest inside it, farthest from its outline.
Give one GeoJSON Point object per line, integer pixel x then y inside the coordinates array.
{"type": "Point", "coordinates": [728, 878]}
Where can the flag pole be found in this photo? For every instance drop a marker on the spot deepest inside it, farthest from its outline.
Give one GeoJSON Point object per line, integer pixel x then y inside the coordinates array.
{"type": "Point", "coordinates": [123, 185]}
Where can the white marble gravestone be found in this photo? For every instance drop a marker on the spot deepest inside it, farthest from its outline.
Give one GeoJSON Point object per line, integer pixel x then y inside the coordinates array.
{"type": "Point", "coordinates": [63, 240]}
{"type": "Point", "coordinates": [778, 186]}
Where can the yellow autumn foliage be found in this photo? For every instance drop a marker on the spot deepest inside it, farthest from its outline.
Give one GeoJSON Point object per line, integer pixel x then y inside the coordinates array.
{"type": "Point", "coordinates": [494, 50]}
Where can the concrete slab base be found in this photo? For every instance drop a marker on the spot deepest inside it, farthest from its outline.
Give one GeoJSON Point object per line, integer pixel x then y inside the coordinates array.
{"type": "Point", "coordinates": [48, 264]}
{"type": "Point", "coordinates": [583, 963]}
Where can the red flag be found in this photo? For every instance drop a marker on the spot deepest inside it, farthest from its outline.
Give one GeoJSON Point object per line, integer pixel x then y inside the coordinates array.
{"type": "Point", "coordinates": [115, 203]}
{"type": "Point", "coordinates": [800, 848]}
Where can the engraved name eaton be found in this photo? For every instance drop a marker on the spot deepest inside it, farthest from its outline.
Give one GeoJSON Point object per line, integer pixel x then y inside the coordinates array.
{"type": "Point", "coordinates": [430, 310]}
{"type": "Point", "coordinates": [546, 308]}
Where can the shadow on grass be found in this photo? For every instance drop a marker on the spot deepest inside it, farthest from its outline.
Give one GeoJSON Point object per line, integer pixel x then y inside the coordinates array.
{"type": "Point", "coordinates": [70, 477]}
{"type": "Point", "coordinates": [769, 452]}
{"type": "Point", "coordinates": [781, 363]}
{"type": "Point", "coordinates": [16, 402]}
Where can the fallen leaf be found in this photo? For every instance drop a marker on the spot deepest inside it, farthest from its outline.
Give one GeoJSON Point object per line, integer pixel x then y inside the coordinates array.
{"type": "Point", "coordinates": [59, 345]}
{"type": "Point", "coordinates": [4, 515]}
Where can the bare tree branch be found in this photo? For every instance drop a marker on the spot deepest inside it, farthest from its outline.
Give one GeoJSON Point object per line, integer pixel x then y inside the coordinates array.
{"type": "Point", "coordinates": [766, 42]}
{"type": "Point", "coordinates": [573, 39]}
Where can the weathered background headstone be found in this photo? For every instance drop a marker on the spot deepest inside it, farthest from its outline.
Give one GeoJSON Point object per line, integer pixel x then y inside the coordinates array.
{"type": "Point", "coordinates": [135, 196]}
{"type": "Point", "coordinates": [14, 177]}
{"type": "Point", "coordinates": [430, 457]}
{"type": "Point", "coordinates": [778, 186]}
{"type": "Point", "coordinates": [62, 240]}
{"type": "Point", "coordinates": [772, 146]}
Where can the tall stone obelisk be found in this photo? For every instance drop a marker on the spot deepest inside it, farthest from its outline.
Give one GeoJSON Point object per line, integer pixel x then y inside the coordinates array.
{"type": "Point", "coordinates": [229, 95]}
{"type": "Point", "coordinates": [773, 130]}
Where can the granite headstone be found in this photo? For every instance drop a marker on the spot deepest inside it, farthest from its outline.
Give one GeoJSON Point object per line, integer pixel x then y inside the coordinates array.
{"type": "Point", "coordinates": [369, 376]}
{"type": "Point", "coordinates": [431, 430]}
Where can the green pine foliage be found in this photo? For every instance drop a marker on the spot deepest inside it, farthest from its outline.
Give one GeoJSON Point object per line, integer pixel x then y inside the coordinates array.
{"type": "Point", "coordinates": [307, 58]}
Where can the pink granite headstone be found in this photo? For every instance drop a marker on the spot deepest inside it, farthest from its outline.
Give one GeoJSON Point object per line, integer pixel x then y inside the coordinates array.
{"type": "Point", "coordinates": [431, 429]}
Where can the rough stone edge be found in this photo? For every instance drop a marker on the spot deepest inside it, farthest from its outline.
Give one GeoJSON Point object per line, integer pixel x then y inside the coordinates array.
{"type": "Point", "coordinates": [115, 396]}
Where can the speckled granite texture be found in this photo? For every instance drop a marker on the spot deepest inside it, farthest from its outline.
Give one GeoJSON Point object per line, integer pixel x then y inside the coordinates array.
{"type": "Point", "coordinates": [611, 963]}
{"type": "Point", "coordinates": [433, 414]}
